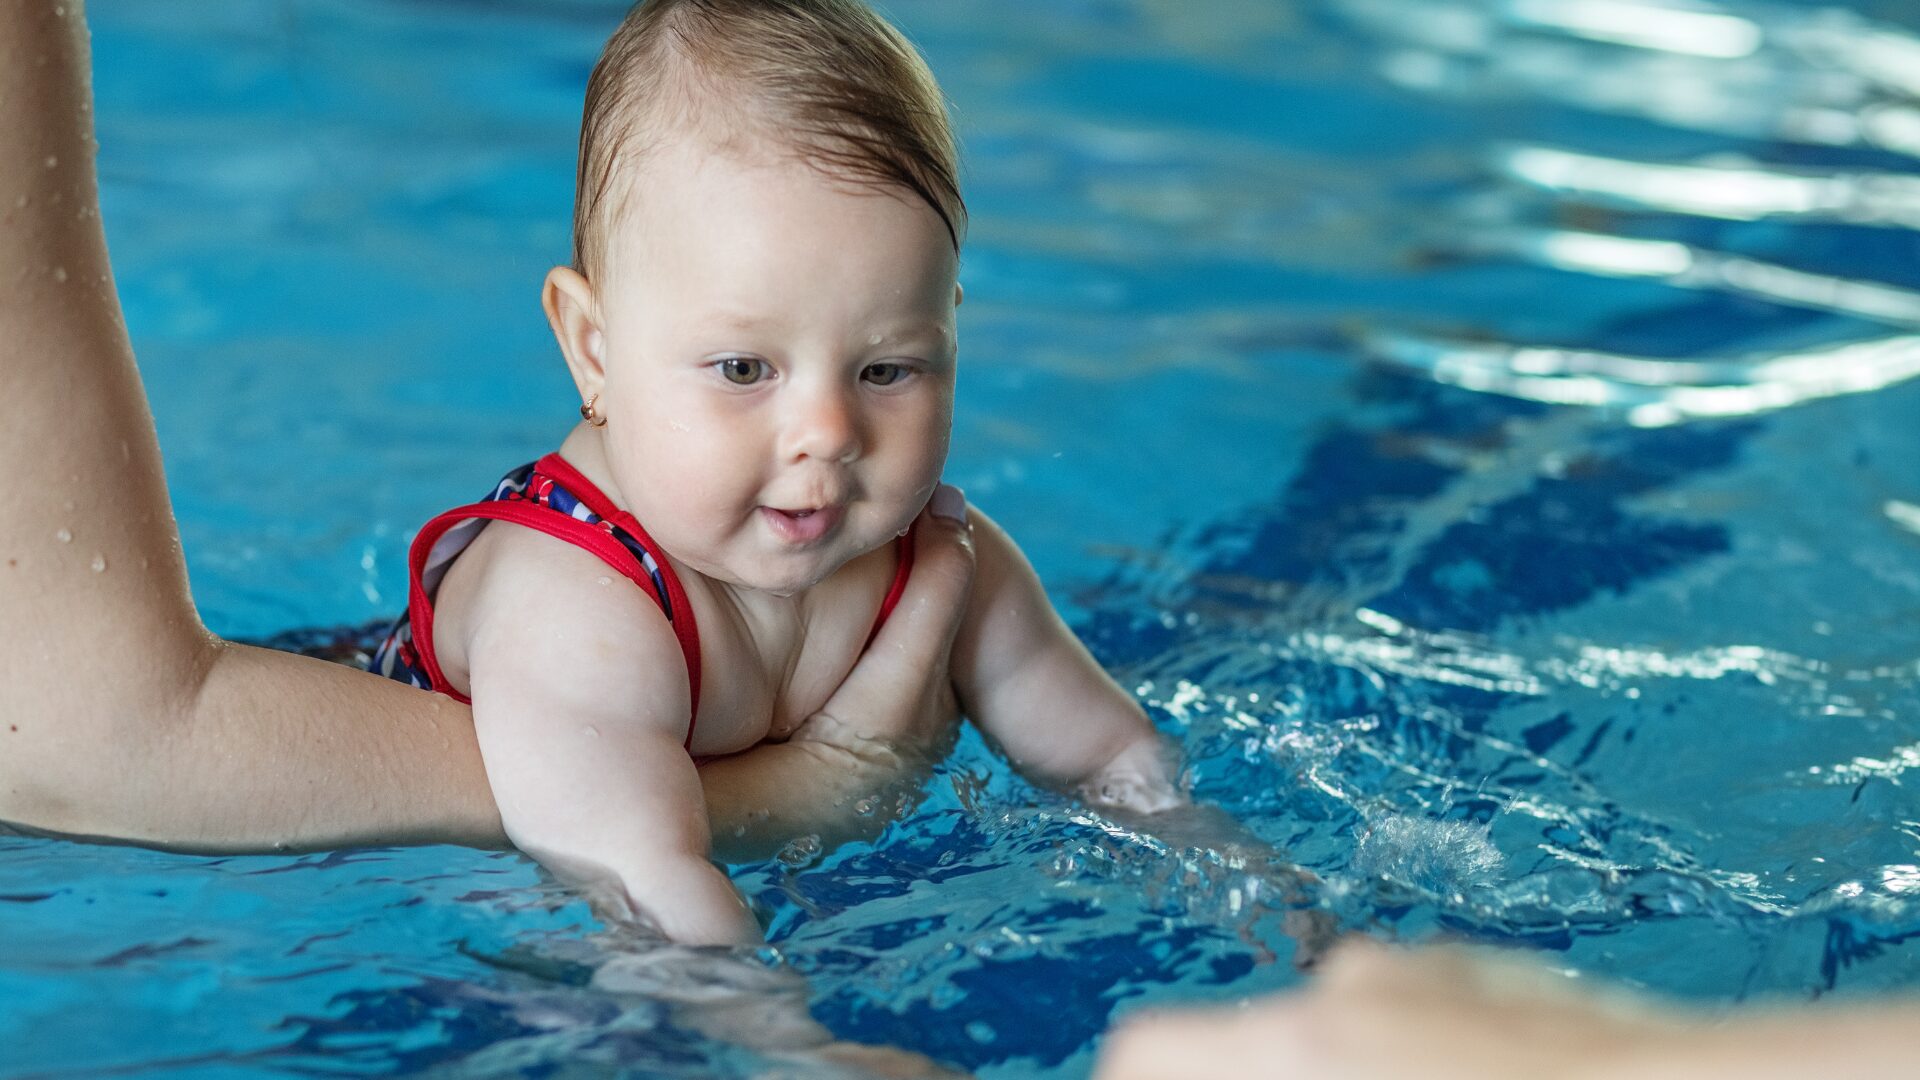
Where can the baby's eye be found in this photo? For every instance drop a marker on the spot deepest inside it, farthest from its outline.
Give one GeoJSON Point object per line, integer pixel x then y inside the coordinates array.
{"type": "Point", "coordinates": [743, 370]}
{"type": "Point", "coordinates": [884, 374]}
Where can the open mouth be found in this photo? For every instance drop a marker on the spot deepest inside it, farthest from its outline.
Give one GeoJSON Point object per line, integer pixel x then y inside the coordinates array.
{"type": "Point", "coordinates": [801, 525]}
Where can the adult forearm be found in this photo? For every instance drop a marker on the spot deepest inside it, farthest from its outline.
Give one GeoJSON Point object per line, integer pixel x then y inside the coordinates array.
{"type": "Point", "coordinates": [761, 800]}
{"type": "Point", "coordinates": [46, 148]}
{"type": "Point", "coordinates": [1824, 1040]}
{"type": "Point", "coordinates": [275, 751]}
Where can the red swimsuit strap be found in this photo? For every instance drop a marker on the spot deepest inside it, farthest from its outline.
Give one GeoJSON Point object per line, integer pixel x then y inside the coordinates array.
{"type": "Point", "coordinates": [610, 551]}
{"type": "Point", "coordinates": [903, 554]}
{"type": "Point", "coordinates": [564, 474]}
{"type": "Point", "coordinates": [685, 628]}
{"type": "Point", "coordinates": [564, 528]}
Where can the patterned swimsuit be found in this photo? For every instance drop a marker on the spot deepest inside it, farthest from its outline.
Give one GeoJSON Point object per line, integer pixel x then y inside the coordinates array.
{"type": "Point", "coordinates": [552, 497]}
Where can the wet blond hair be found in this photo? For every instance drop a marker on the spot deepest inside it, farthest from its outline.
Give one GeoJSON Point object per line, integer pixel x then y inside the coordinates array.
{"type": "Point", "coordinates": [827, 80]}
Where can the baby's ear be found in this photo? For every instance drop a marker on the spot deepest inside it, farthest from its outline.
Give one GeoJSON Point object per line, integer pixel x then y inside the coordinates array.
{"type": "Point", "coordinates": [571, 311]}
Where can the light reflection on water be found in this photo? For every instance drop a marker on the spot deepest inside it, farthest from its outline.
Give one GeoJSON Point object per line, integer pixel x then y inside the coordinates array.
{"type": "Point", "coordinates": [1500, 482]}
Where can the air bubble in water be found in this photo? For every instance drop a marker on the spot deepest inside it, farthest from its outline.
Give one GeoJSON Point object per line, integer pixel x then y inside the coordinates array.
{"type": "Point", "coordinates": [800, 853]}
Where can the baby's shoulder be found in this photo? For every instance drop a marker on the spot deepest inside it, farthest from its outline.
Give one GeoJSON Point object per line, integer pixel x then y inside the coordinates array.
{"type": "Point", "coordinates": [525, 594]}
{"type": "Point", "coordinates": [527, 570]}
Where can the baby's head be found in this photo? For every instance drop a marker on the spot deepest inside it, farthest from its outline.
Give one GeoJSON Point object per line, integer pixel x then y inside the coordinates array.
{"type": "Point", "coordinates": [761, 306]}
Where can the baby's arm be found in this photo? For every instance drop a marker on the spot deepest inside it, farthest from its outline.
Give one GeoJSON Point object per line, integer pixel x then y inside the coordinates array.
{"type": "Point", "coordinates": [580, 703]}
{"type": "Point", "coordinates": [1028, 683]}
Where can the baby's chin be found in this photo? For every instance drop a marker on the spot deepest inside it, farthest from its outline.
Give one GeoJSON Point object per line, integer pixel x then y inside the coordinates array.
{"type": "Point", "coordinates": [787, 576]}
{"type": "Point", "coordinates": [792, 573]}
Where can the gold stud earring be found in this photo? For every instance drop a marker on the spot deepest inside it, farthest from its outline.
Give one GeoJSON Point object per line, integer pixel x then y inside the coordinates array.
{"type": "Point", "coordinates": [588, 414]}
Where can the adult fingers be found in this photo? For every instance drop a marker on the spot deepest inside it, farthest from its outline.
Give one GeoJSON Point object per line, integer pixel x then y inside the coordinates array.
{"type": "Point", "coordinates": [923, 624]}
{"type": "Point", "coordinates": [917, 637]}
{"type": "Point", "coordinates": [1200, 1045]}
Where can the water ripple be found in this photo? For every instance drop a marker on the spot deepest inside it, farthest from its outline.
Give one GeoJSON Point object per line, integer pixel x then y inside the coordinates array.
{"type": "Point", "coordinates": [1654, 392]}
{"type": "Point", "coordinates": [1733, 190]}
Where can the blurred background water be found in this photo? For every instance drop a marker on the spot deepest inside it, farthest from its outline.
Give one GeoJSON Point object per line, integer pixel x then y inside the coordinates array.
{"type": "Point", "coordinates": [1482, 431]}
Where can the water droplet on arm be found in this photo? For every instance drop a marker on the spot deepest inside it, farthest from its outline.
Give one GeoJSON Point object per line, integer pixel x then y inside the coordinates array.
{"type": "Point", "coordinates": [60, 275]}
{"type": "Point", "coordinates": [99, 564]}
{"type": "Point", "coordinates": [65, 536]}
{"type": "Point", "coordinates": [590, 731]}
{"type": "Point", "coordinates": [52, 162]}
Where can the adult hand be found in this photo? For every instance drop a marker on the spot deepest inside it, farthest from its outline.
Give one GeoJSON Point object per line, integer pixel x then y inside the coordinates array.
{"type": "Point", "coordinates": [1376, 1011]}
{"type": "Point", "coordinates": [859, 761]}
{"type": "Point", "coordinates": [898, 702]}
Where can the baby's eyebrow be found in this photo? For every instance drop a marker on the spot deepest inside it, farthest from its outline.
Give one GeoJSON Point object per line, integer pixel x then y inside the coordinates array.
{"type": "Point", "coordinates": [737, 319]}
{"type": "Point", "coordinates": [935, 331]}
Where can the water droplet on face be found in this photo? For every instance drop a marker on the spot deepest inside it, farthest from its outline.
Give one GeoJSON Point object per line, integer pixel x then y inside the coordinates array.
{"type": "Point", "coordinates": [99, 564]}
{"type": "Point", "coordinates": [65, 536]}
{"type": "Point", "coordinates": [590, 731]}
{"type": "Point", "coordinates": [60, 274]}
{"type": "Point", "coordinates": [875, 339]}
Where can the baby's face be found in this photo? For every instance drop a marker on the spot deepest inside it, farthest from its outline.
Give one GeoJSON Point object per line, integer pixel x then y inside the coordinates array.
{"type": "Point", "coordinates": [779, 355]}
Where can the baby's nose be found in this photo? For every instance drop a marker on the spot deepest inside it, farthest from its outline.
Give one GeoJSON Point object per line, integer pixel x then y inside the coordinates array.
{"type": "Point", "coordinates": [824, 427]}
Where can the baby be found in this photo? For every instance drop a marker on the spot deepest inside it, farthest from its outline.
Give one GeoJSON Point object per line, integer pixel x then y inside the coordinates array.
{"type": "Point", "coordinates": [760, 322]}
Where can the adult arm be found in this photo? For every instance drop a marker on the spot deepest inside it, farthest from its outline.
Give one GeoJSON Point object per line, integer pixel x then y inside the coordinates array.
{"type": "Point", "coordinates": [123, 717]}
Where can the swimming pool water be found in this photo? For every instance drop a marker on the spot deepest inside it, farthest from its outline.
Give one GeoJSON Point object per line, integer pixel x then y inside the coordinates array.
{"type": "Point", "coordinates": [1482, 431]}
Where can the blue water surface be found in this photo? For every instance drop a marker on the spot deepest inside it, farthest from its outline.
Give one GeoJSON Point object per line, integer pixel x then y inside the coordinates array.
{"type": "Point", "coordinates": [1482, 433]}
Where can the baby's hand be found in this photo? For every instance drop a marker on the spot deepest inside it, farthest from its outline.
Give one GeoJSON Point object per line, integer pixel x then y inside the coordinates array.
{"type": "Point", "coordinates": [898, 702]}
